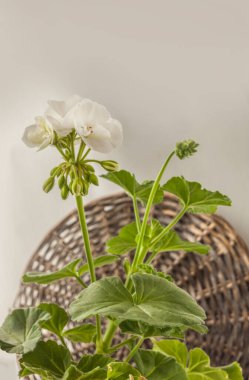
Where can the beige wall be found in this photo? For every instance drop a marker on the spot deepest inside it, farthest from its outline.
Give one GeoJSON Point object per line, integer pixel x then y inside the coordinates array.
{"type": "Point", "coordinates": [168, 70]}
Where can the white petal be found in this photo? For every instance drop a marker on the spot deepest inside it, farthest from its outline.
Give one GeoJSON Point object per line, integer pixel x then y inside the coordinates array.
{"type": "Point", "coordinates": [99, 140]}
{"type": "Point", "coordinates": [62, 107]}
{"type": "Point", "coordinates": [86, 112]}
{"type": "Point", "coordinates": [28, 134]}
{"type": "Point", "coordinates": [38, 135]}
{"type": "Point", "coordinates": [116, 131]}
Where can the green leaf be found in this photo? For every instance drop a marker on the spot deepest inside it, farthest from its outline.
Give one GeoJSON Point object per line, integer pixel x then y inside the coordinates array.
{"type": "Point", "coordinates": [143, 192]}
{"type": "Point", "coordinates": [124, 179]}
{"type": "Point", "coordinates": [98, 262]}
{"type": "Point", "coordinates": [124, 242]}
{"type": "Point", "coordinates": [48, 360]}
{"type": "Point", "coordinates": [194, 197]}
{"type": "Point", "coordinates": [234, 371]}
{"type": "Point", "coordinates": [58, 318]}
{"type": "Point", "coordinates": [84, 333]}
{"type": "Point", "coordinates": [128, 182]}
{"type": "Point", "coordinates": [94, 366]}
{"type": "Point", "coordinates": [199, 367]}
{"type": "Point", "coordinates": [147, 268]}
{"type": "Point", "coordinates": [196, 362]}
{"type": "Point", "coordinates": [70, 270]}
{"type": "Point", "coordinates": [173, 348]}
{"type": "Point", "coordinates": [73, 373]}
{"type": "Point", "coordinates": [156, 301]}
{"type": "Point", "coordinates": [156, 366]}
{"type": "Point", "coordinates": [89, 362]}
{"type": "Point", "coordinates": [121, 371]}
{"type": "Point", "coordinates": [143, 329]}
{"type": "Point", "coordinates": [21, 331]}
{"type": "Point", "coordinates": [172, 241]}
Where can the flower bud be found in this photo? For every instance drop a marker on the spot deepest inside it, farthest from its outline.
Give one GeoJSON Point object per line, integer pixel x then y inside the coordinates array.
{"type": "Point", "coordinates": [110, 165]}
{"type": "Point", "coordinates": [61, 181]}
{"type": "Point", "coordinates": [77, 187]}
{"type": "Point", "coordinates": [89, 168]}
{"type": "Point", "coordinates": [85, 186]}
{"type": "Point", "coordinates": [186, 148]}
{"type": "Point", "coordinates": [93, 179]}
{"type": "Point", "coordinates": [64, 192]}
{"type": "Point", "coordinates": [48, 184]}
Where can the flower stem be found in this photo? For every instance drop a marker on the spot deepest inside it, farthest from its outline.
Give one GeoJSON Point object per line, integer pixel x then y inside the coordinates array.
{"type": "Point", "coordinates": [137, 259]}
{"type": "Point", "coordinates": [169, 226]}
{"type": "Point", "coordinates": [110, 331]}
{"type": "Point", "coordinates": [84, 230]}
{"type": "Point", "coordinates": [125, 342]}
{"type": "Point", "coordinates": [140, 250]}
{"type": "Point", "coordinates": [134, 350]}
{"type": "Point", "coordinates": [81, 150]}
{"type": "Point", "coordinates": [62, 153]}
{"type": "Point", "coordinates": [136, 213]}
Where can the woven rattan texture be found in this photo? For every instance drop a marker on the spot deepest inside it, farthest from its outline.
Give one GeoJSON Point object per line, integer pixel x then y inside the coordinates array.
{"type": "Point", "coordinates": [218, 281]}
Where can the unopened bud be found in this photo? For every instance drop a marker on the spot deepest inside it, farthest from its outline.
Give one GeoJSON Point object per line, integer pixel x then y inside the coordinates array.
{"type": "Point", "coordinates": [94, 179]}
{"type": "Point", "coordinates": [64, 192]}
{"type": "Point", "coordinates": [48, 184]}
{"type": "Point", "coordinates": [110, 165]}
{"type": "Point", "coordinates": [56, 171]}
{"type": "Point", "coordinates": [77, 187]}
{"type": "Point", "coordinates": [61, 181]}
{"type": "Point", "coordinates": [85, 186]}
{"type": "Point", "coordinates": [89, 168]}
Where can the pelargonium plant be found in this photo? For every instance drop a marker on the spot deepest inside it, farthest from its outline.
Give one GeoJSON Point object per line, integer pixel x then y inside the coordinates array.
{"type": "Point", "coordinates": [147, 308]}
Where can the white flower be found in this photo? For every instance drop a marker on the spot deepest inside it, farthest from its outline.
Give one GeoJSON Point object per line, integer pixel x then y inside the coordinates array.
{"type": "Point", "coordinates": [95, 125]}
{"type": "Point", "coordinates": [58, 110]}
{"type": "Point", "coordinates": [39, 135]}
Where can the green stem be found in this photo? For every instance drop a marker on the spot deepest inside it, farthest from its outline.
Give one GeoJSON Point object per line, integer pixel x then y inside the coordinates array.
{"type": "Point", "coordinates": [112, 327]}
{"type": "Point", "coordinates": [110, 331]}
{"type": "Point", "coordinates": [163, 233]}
{"type": "Point", "coordinates": [81, 150]}
{"type": "Point", "coordinates": [86, 154]}
{"type": "Point", "coordinates": [147, 211]}
{"type": "Point", "coordinates": [134, 350]}
{"type": "Point", "coordinates": [72, 146]}
{"type": "Point", "coordinates": [84, 230]}
{"type": "Point", "coordinates": [63, 341]}
{"type": "Point", "coordinates": [125, 342]}
{"type": "Point", "coordinates": [136, 213]}
{"type": "Point", "coordinates": [169, 226]}
{"type": "Point", "coordinates": [81, 282]}
{"type": "Point", "coordinates": [62, 153]}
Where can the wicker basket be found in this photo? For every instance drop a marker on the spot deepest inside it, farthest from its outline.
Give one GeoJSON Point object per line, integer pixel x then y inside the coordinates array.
{"type": "Point", "coordinates": [218, 281]}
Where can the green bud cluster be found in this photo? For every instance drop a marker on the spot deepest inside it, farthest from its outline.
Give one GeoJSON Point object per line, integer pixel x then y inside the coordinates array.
{"type": "Point", "coordinates": [75, 174]}
{"type": "Point", "coordinates": [186, 148]}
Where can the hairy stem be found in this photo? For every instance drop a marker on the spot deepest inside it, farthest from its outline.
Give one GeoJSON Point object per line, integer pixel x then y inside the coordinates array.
{"type": "Point", "coordinates": [134, 350]}
{"type": "Point", "coordinates": [136, 213]}
{"type": "Point", "coordinates": [62, 153]}
{"type": "Point", "coordinates": [84, 230]}
{"type": "Point", "coordinates": [140, 250]}
{"type": "Point", "coordinates": [124, 343]}
{"type": "Point", "coordinates": [110, 331]}
{"type": "Point", "coordinates": [137, 259]}
{"type": "Point", "coordinates": [81, 150]}
{"type": "Point", "coordinates": [169, 226]}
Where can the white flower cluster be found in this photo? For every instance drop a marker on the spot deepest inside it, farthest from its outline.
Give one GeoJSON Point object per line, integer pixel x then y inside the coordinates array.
{"type": "Point", "coordinates": [92, 122]}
